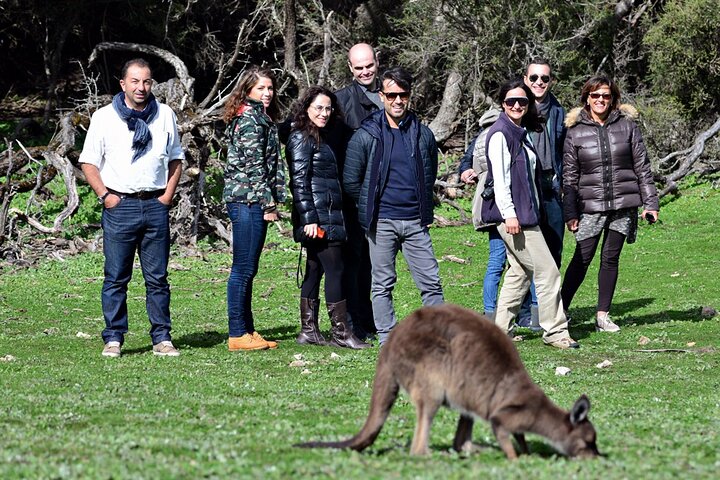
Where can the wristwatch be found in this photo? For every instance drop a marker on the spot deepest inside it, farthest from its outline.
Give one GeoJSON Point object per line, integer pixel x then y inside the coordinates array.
{"type": "Point", "coordinates": [101, 198]}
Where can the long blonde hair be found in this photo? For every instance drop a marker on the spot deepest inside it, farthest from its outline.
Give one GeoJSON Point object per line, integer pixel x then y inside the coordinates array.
{"type": "Point", "coordinates": [248, 80]}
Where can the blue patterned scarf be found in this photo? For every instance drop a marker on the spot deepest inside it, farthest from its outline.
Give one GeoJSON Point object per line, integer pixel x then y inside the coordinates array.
{"type": "Point", "coordinates": [137, 122]}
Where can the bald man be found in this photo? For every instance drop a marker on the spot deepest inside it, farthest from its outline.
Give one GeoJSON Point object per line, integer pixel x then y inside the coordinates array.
{"type": "Point", "coordinates": [360, 98]}
{"type": "Point", "coordinates": [357, 101]}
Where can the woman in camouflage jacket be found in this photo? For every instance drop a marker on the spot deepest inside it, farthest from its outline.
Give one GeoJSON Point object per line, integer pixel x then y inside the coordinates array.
{"type": "Point", "coordinates": [254, 185]}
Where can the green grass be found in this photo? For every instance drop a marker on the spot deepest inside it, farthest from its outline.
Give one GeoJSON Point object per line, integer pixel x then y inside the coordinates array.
{"type": "Point", "coordinates": [66, 412]}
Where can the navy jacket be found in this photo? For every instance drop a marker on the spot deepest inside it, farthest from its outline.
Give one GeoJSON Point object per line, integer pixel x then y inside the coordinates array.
{"type": "Point", "coordinates": [523, 197]}
{"type": "Point", "coordinates": [367, 164]}
{"type": "Point", "coordinates": [556, 121]}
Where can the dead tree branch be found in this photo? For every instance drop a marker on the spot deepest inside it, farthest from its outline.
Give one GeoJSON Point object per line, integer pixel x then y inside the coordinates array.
{"type": "Point", "coordinates": [181, 69]}
{"type": "Point", "coordinates": [443, 125]}
{"type": "Point", "coordinates": [686, 166]}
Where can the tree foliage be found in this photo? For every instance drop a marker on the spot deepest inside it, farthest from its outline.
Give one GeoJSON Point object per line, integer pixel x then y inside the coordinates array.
{"type": "Point", "coordinates": [684, 57]}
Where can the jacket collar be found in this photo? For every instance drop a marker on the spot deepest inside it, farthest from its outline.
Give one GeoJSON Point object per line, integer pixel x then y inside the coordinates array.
{"type": "Point", "coordinates": [580, 115]}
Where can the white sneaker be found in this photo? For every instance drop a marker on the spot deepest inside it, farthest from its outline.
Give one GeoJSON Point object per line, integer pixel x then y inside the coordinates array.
{"type": "Point", "coordinates": [112, 350]}
{"type": "Point", "coordinates": [165, 349]}
{"type": "Point", "coordinates": [604, 324]}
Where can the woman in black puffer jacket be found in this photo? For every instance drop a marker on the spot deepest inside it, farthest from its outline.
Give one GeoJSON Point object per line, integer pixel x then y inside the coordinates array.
{"type": "Point", "coordinates": [606, 177]}
{"type": "Point", "coordinates": [316, 141]}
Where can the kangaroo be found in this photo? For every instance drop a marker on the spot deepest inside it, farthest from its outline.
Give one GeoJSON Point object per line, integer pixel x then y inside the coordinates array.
{"type": "Point", "coordinates": [449, 355]}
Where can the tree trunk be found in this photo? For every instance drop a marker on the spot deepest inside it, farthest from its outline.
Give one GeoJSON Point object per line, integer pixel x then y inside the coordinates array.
{"type": "Point", "coordinates": [446, 121]}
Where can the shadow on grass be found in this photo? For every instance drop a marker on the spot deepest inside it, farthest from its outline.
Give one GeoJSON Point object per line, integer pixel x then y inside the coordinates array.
{"type": "Point", "coordinates": [206, 339]}
{"type": "Point", "coordinates": [582, 324]}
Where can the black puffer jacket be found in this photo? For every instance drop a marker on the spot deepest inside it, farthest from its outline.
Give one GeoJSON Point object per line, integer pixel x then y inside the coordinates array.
{"type": "Point", "coordinates": [605, 167]}
{"type": "Point", "coordinates": [315, 187]}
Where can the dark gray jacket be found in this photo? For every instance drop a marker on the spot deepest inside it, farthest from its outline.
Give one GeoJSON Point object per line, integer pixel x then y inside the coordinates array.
{"type": "Point", "coordinates": [605, 167]}
{"type": "Point", "coordinates": [367, 164]}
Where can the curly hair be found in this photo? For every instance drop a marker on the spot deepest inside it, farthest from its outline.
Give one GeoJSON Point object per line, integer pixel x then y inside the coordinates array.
{"type": "Point", "coordinates": [301, 120]}
{"type": "Point", "coordinates": [247, 81]}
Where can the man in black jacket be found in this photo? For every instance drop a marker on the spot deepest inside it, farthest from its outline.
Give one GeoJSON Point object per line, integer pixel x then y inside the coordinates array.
{"type": "Point", "coordinates": [357, 101]}
{"type": "Point", "coordinates": [390, 170]}
{"type": "Point", "coordinates": [361, 97]}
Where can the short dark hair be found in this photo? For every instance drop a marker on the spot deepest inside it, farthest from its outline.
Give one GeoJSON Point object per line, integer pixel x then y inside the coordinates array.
{"type": "Point", "coordinates": [398, 75]}
{"type": "Point", "coordinates": [301, 120]}
{"type": "Point", "coordinates": [140, 62]}
{"type": "Point", "coordinates": [530, 120]}
{"type": "Point", "coordinates": [595, 82]}
{"type": "Point", "coordinates": [538, 61]}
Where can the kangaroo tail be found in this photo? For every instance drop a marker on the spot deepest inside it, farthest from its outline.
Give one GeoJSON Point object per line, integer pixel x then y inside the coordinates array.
{"type": "Point", "coordinates": [385, 391]}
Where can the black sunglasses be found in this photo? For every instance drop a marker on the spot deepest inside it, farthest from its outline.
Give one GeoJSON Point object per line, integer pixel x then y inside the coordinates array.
{"type": "Point", "coordinates": [393, 95]}
{"type": "Point", "coordinates": [511, 101]}
{"type": "Point", "coordinates": [545, 78]}
{"type": "Point", "coordinates": [605, 96]}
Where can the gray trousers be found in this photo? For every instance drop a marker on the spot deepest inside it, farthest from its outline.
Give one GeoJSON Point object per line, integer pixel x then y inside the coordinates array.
{"type": "Point", "coordinates": [413, 239]}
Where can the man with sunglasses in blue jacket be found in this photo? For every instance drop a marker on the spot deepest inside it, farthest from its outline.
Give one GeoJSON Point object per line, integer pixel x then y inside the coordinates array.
{"type": "Point", "coordinates": [390, 169]}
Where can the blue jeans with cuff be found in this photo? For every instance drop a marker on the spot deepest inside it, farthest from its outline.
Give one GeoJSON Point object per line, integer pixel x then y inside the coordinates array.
{"type": "Point", "coordinates": [141, 225]}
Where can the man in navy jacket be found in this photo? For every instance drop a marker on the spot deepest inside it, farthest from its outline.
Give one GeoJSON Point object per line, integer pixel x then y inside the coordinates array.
{"type": "Point", "coordinates": [390, 170]}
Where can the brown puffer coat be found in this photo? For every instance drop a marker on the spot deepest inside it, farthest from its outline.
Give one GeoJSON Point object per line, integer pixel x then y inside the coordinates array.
{"type": "Point", "coordinates": [605, 167]}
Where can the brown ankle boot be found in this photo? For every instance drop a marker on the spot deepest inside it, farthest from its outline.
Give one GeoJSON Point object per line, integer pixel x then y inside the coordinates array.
{"type": "Point", "coordinates": [342, 335]}
{"type": "Point", "coordinates": [309, 330]}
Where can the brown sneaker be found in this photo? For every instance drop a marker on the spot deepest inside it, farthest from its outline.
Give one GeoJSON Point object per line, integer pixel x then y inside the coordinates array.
{"type": "Point", "coordinates": [112, 350]}
{"type": "Point", "coordinates": [165, 349]}
{"type": "Point", "coordinates": [246, 342]}
{"type": "Point", "coordinates": [259, 337]}
{"type": "Point", "coordinates": [564, 343]}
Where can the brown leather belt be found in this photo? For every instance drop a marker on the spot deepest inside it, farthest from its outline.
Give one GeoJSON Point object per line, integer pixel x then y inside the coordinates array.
{"type": "Point", "coordinates": [141, 195]}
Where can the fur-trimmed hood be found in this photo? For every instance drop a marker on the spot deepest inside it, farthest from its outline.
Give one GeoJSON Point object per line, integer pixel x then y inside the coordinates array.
{"type": "Point", "coordinates": [576, 115]}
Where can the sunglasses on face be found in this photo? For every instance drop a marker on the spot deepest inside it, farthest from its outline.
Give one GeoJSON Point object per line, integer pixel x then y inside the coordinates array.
{"type": "Point", "coordinates": [511, 101]}
{"type": "Point", "coordinates": [534, 77]}
{"type": "Point", "coordinates": [605, 96]}
{"type": "Point", "coordinates": [404, 96]}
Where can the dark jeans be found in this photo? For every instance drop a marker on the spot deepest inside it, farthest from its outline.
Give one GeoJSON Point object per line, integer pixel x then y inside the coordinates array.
{"type": "Point", "coordinates": [357, 277]}
{"type": "Point", "coordinates": [248, 230]}
{"type": "Point", "coordinates": [607, 276]}
{"type": "Point", "coordinates": [323, 258]}
{"type": "Point", "coordinates": [142, 226]}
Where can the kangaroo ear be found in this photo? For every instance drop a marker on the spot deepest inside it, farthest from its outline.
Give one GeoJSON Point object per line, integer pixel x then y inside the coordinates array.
{"type": "Point", "coordinates": [580, 410]}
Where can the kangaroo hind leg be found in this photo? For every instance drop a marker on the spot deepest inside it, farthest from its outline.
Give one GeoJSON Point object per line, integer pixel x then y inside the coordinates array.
{"type": "Point", "coordinates": [425, 409]}
{"type": "Point", "coordinates": [463, 434]}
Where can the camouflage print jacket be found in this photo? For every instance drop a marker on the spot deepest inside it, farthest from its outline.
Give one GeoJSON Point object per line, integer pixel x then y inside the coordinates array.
{"type": "Point", "coordinates": [254, 172]}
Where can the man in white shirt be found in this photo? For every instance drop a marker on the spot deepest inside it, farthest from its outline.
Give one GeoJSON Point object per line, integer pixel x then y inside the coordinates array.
{"type": "Point", "coordinates": [132, 159]}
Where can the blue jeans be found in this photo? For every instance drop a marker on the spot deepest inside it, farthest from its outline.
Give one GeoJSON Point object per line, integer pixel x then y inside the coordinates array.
{"type": "Point", "coordinates": [142, 226]}
{"type": "Point", "coordinates": [554, 230]}
{"type": "Point", "coordinates": [385, 241]}
{"type": "Point", "coordinates": [248, 230]}
{"type": "Point", "coordinates": [491, 283]}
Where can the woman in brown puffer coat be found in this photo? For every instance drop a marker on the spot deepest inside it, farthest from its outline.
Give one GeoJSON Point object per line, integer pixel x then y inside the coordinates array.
{"type": "Point", "coordinates": [606, 177]}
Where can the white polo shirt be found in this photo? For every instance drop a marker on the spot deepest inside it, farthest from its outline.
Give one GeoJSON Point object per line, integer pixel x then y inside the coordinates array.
{"type": "Point", "coordinates": [108, 146]}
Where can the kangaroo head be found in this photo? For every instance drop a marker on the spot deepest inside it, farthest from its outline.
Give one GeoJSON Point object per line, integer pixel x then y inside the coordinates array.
{"type": "Point", "coordinates": [580, 441]}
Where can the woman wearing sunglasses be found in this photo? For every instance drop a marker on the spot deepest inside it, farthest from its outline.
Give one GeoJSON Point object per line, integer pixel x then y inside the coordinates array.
{"type": "Point", "coordinates": [316, 141]}
{"type": "Point", "coordinates": [516, 206]}
{"type": "Point", "coordinates": [606, 176]}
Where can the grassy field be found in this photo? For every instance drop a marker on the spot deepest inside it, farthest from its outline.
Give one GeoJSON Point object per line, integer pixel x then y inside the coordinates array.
{"type": "Point", "coordinates": [67, 412]}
